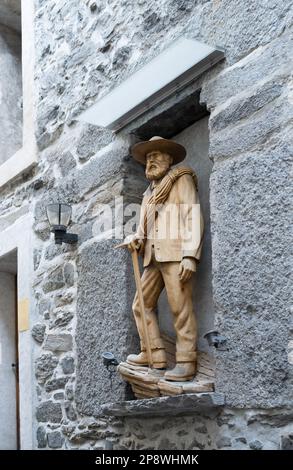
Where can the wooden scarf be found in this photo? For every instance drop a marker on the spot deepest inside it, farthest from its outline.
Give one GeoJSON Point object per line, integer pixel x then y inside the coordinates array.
{"type": "Point", "coordinates": [161, 193]}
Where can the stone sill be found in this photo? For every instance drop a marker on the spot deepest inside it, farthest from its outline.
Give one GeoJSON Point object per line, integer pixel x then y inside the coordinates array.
{"type": "Point", "coordinates": [166, 406]}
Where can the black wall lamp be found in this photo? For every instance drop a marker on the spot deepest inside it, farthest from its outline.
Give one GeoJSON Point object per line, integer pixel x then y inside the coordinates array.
{"type": "Point", "coordinates": [214, 338]}
{"type": "Point", "coordinates": [109, 359]}
{"type": "Point", "coordinates": [59, 217]}
{"type": "Point", "coordinates": [111, 363]}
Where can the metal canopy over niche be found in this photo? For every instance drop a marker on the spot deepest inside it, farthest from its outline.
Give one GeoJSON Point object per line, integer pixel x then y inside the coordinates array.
{"type": "Point", "coordinates": [169, 72]}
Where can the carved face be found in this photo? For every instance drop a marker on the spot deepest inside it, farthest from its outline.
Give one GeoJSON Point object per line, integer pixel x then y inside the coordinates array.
{"type": "Point", "coordinates": [157, 165]}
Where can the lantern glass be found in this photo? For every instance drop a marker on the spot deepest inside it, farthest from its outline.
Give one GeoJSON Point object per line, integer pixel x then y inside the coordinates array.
{"type": "Point", "coordinates": [65, 214]}
{"type": "Point", "coordinates": [59, 214]}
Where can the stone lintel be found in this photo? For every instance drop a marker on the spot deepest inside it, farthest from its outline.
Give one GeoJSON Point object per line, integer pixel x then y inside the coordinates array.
{"type": "Point", "coordinates": [166, 406]}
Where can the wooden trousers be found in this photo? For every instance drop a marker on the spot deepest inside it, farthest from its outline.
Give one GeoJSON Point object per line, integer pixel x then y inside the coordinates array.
{"type": "Point", "coordinates": [155, 277]}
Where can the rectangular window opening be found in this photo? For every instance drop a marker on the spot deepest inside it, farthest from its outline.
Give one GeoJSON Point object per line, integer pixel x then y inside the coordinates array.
{"type": "Point", "coordinates": [11, 94]}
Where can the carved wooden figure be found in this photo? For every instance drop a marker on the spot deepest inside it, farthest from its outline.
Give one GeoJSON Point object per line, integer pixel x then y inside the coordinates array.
{"type": "Point", "coordinates": [169, 238]}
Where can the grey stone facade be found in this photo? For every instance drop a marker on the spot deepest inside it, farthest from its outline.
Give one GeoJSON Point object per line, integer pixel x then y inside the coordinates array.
{"type": "Point", "coordinates": [83, 293]}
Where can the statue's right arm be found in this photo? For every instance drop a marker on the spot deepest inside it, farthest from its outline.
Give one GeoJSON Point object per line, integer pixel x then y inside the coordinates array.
{"type": "Point", "coordinates": [136, 241]}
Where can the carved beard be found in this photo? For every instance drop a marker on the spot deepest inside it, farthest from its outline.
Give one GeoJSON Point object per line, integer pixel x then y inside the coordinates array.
{"type": "Point", "coordinates": [156, 171]}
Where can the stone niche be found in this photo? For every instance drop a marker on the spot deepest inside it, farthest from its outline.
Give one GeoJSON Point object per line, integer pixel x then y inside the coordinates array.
{"type": "Point", "coordinates": [105, 305]}
{"type": "Point", "coordinates": [186, 121]}
{"type": "Point", "coordinates": [11, 116]}
{"type": "Point", "coordinates": [195, 138]}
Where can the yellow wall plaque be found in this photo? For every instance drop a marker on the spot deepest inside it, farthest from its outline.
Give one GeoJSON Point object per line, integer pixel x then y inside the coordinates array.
{"type": "Point", "coordinates": [23, 315]}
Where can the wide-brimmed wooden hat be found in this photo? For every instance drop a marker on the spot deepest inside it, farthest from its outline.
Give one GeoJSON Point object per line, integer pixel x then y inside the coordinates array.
{"type": "Point", "coordinates": [141, 149]}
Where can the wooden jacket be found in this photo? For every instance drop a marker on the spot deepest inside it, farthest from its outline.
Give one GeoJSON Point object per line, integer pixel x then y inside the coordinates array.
{"type": "Point", "coordinates": [177, 231]}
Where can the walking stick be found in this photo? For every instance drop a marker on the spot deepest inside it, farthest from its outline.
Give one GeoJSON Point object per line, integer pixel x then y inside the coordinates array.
{"type": "Point", "coordinates": [147, 342]}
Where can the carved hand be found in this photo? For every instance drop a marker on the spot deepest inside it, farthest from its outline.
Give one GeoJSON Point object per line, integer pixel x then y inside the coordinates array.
{"type": "Point", "coordinates": [186, 268]}
{"type": "Point", "coordinates": [135, 244]}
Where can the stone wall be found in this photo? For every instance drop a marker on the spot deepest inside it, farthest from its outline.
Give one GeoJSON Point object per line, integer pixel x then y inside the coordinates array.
{"type": "Point", "coordinates": [250, 124]}
{"type": "Point", "coordinates": [229, 429]}
{"type": "Point", "coordinates": [10, 92]}
{"type": "Point", "coordinates": [83, 49]}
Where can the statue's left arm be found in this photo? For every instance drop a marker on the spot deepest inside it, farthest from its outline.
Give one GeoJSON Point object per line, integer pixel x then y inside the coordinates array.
{"type": "Point", "coordinates": [191, 225]}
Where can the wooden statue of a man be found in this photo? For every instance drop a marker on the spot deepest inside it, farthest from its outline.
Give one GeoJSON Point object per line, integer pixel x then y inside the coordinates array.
{"type": "Point", "coordinates": [169, 237]}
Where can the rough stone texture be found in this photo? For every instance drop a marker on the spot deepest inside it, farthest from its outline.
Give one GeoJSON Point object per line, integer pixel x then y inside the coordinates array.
{"type": "Point", "coordinates": [44, 307]}
{"type": "Point", "coordinates": [67, 163]}
{"type": "Point", "coordinates": [256, 445]}
{"type": "Point", "coordinates": [251, 133]}
{"type": "Point", "coordinates": [244, 106]}
{"type": "Point", "coordinates": [49, 411]}
{"type": "Point", "coordinates": [94, 429]}
{"type": "Point", "coordinates": [241, 439]}
{"type": "Point", "coordinates": [84, 48]}
{"type": "Point", "coordinates": [54, 281]}
{"type": "Point", "coordinates": [69, 274]}
{"type": "Point", "coordinates": [255, 68]}
{"type": "Point", "coordinates": [58, 342]}
{"type": "Point", "coordinates": [58, 396]}
{"type": "Point", "coordinates": [100, 310]}
{"type": "Point", "coordinates": [224, 428]}
{"type": "Point", "coordinates": [251, 191]}
{"type": "Point", "coordinates": [55, 384]}
{"type": "Point", "coordinates": [69, 392]}
{"type": "Point", "coordinates": [223, 442]}
{"type": "Point", "coordinates": [275, 420]}
{"type": "Point", "coordinates": [38, 332]}
{"type": "Point", "coordinates": [102, 169]}
{"type": "Point", "coordinates": [41, 437]}
{"type": "Point", "coordinates": [92, 140]}
{"type": "Point", "coordinates": [67, 365]}
{"type": "Point", "coordinates": [164, 406]}
{"type": "Point", "coordinates": [63, 319]}
{"type": "Point", "coordinates": [286, 442]}
{"type": "Point", "coordinates": [45, 366]}
{"type": "Point", "coordinates": [55, 440]}
{"type": "Point", "coordinates": [70, 411]}
{"type": "Point", "coordinates": [102, 52]}
{"type": "Point", "coordinates": [63, 298]}
{"type": "Point", "coordinates": [10, 93]}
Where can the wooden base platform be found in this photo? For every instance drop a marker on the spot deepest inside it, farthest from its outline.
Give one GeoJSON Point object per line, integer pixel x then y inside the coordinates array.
{"type": "Point", "coordinates": [150, 383]}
